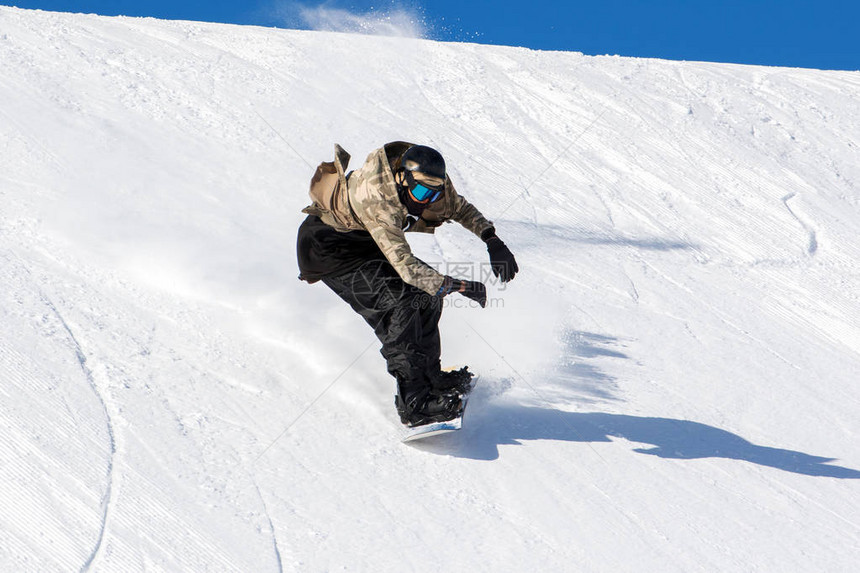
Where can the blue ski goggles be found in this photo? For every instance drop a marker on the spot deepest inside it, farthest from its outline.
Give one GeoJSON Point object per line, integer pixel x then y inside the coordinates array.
{"type": "Point", "coordinates": [422, 192]}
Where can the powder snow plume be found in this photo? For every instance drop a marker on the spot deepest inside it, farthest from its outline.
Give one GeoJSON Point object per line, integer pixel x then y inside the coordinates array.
{"type": "Point", "coordinates": [398, 21]}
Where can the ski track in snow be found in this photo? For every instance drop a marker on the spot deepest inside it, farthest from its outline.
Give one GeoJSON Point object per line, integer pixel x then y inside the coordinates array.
{"type": "Point", "coordinates": [107, 500]}
{"type": "Point", "coordinates": [270, 525]}
{"type": "Point", "coordinates": [812, 242]}
{"type": "Point", "coordinates": [17, 274]}
{"type": "Point", "coordinates": [669, 383]}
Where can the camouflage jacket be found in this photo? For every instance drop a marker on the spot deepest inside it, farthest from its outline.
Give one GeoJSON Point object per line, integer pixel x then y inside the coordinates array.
{"type": "Point", "coordinates": [368, 200]}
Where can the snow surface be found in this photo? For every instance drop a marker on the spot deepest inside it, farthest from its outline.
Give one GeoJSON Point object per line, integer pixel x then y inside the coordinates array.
{"type": "Point", "coordinates": [670, 384]}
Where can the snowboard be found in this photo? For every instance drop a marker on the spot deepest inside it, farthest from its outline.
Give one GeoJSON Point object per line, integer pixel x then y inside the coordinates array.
{"type": "Point", "coordinates": [438, 428]}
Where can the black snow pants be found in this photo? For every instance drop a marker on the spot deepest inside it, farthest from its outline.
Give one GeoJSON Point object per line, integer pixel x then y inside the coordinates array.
{"type": "Point", "coordinates": [404, 318]}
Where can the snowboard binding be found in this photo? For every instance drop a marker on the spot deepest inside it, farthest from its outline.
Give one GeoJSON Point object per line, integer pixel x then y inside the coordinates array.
{"type": "Point", "coordinates": [428, 407]}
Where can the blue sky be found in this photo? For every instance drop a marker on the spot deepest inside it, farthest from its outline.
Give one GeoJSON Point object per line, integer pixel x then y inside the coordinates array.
{"type": "Point", "coordinates": [813, 34]}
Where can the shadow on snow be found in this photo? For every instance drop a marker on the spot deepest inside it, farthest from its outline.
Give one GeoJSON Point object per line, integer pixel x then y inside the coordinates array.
{"type": "Point", "coordinates": [496, 425]}
{"type": "Point", "coordinates": [491, 422]}
{"type": "Point", "coordinates": [568, 235]}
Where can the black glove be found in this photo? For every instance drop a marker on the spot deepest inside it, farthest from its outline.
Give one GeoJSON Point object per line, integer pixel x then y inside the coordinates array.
{"type": "Point", "coordinates": [502, 260]}
{"type": "Point", "coordinates": [473, 290]}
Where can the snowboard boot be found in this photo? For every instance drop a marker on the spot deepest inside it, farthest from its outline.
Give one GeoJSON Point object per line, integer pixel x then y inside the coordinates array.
{"type": "Point", "coordinates": [459, 381]}
{"type": "Point", "coordinates": [426, 407]}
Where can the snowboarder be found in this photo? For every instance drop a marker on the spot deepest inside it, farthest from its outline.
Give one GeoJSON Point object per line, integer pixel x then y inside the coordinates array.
{"type": "Point", "coordinates": [353, 241]}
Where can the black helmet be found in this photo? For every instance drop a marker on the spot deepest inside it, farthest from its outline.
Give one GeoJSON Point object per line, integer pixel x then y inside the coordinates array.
{"type": "Point", "coordinates": [423, 159]}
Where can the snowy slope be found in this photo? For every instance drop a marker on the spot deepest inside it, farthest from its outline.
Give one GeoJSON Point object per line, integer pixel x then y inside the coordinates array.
{"type": "Point", "coordinates": [669, 385]}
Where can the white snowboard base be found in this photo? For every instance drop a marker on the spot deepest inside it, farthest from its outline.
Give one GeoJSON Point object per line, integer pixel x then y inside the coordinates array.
{"type": "Point", "coordinates": [434, 429]}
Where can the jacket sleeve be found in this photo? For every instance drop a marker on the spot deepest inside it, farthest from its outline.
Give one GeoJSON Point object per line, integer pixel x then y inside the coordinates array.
{"type": "Point", "coordinates": [385, 230]}
{"type": "Point", "coordinates": [468, 215]}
